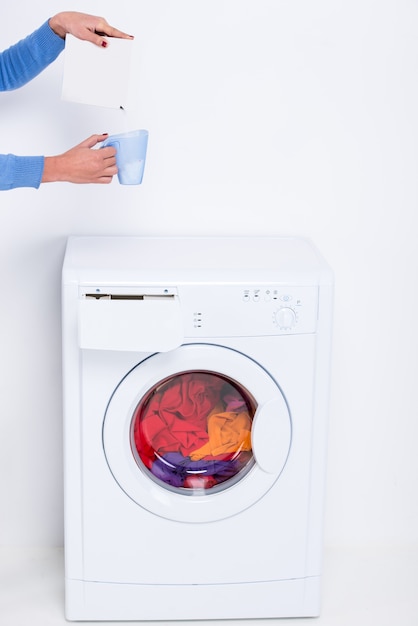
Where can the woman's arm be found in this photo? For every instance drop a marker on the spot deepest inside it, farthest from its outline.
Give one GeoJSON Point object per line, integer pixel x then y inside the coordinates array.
{"type": "Point", "coordinates": [80, 165]}
{"type": "Point", "coordinates": [20, 171]}
{"type": "Point", "coordinates": [27, 58]}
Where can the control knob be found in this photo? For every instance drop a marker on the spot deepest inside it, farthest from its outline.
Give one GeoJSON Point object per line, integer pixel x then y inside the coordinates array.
{"type": "Point", "coordinates": [285, 317]}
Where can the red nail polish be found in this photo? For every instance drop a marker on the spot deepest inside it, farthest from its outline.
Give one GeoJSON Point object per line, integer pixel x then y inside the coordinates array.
{"type": "Point", "coordinates": [104, 44]}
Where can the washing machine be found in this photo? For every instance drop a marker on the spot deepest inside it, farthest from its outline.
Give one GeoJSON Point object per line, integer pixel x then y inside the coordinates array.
{"type": "Point", "coordinates": [196, 381]}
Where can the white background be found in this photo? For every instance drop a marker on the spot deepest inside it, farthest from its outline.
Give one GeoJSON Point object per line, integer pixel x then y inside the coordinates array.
{"type": "Point", "coordinates": [265, 117]}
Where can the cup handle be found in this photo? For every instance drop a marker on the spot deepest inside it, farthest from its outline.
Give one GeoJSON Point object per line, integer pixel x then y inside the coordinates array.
{"type": "Point", "coordinates": [110, 142]}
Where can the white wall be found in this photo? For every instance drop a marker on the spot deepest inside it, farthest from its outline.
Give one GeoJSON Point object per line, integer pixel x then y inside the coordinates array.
{"type": "Point", "coordinates": [265, 117]}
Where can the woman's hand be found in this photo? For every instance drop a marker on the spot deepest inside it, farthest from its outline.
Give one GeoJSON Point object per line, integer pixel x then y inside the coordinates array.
{"type": "Point", "coordinates": [81, 164]}
{"type": "Point", "coordinates": [83, 26]}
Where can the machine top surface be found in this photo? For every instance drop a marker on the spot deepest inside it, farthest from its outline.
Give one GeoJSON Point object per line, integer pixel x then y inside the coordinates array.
{"type": "Point", "coordinates": [192, 259]}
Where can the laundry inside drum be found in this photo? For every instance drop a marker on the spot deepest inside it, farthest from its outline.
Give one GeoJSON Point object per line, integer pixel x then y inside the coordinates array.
{"type": "Point", "coordinates": [192, 432]}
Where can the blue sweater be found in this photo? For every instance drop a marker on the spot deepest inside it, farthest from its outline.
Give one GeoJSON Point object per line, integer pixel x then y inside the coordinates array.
{"type": "Point", "coordinates": [18, 65]}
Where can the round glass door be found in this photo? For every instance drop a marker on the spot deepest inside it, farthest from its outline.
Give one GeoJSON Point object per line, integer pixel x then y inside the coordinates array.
{"type": "Point", "coordinates": [192, 432]}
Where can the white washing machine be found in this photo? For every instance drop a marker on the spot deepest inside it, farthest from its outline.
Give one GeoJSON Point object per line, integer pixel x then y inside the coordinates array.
{"type": "Point", "coordinates": [196, 379]}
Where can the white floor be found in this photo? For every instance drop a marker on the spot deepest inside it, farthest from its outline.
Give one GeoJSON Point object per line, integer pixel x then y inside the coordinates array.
{"type": "Point", "coordinates": [364, 588]}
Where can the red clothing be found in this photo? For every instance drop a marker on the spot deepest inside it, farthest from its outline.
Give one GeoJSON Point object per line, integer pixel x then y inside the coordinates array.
{"type": "Point", "coordinates": [175, 418]}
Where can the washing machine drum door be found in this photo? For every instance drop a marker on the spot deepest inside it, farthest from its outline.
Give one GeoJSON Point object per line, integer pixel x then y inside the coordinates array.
{"type": "Point", "coordinates": [197, 434]}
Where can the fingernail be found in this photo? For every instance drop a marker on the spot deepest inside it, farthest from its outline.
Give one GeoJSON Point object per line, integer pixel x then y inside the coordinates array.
{"type": "Point", "coordinates": [104, 44]}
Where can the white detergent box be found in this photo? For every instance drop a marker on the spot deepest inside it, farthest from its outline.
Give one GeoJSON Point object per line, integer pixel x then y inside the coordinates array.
{"type": "Point", "coordinates": [97, 75]}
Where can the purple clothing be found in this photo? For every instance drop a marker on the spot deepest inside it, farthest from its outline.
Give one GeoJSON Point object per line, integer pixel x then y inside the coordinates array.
{"type": "Point", "coordinates": [178, 471]}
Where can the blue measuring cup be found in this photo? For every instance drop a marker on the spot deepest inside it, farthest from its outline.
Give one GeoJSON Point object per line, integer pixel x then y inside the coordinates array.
{"type": "Point", "coordinates": [131, 152]}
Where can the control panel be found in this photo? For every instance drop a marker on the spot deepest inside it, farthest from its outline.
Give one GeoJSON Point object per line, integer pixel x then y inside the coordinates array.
{"type": "Point", "coordinates": [233, 310]}
{"type": "Point", "coordinates": [213, 310]}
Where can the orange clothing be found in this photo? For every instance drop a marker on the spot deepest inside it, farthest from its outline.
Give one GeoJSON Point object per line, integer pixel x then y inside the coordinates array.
{"type": "Point", "coordinates": [228, 432]}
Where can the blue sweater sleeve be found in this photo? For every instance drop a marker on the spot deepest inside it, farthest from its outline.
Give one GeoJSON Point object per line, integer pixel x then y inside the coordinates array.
{"type": "Point", "coordinates": [20, 171]}
{"type": "Point", "coordinates": [26, 59]}
{"type": "Point", "coordinates": [18, 65]}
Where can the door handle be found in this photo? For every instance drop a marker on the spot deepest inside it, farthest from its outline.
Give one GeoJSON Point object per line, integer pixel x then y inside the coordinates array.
{"type": "Point", "coordinates": [271, 435]}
